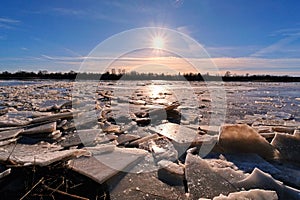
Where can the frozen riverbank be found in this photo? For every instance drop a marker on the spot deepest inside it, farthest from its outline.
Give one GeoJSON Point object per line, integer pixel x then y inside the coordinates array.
{"type": "Point", "coordinates": [93, 134]}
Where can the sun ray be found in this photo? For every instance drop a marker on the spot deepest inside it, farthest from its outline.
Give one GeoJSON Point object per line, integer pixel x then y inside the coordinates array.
{"type": "Point", "coordinates": [158, 42]}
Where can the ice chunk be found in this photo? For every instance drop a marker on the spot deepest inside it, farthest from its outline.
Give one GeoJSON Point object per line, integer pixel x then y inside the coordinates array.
{"type": "Point", "coordinates": [283, 129]}
{"type": "Point", "coordinates": [143, 186]}
{"type": "Point", "coordinates": [227, 170]}
{"type": "Point", "coordinates": [202, 181]}
{"type": "Point", "coordinates": [248, 162]}
{"type": "Point", "coordinates": [101, 167]}
{"type": "Point", "coordinates": [147, 138]}
{"type": "Point", "coordinates": [54, 117]}
{"type": "Point", "coordinates": [161, 148]}
{"type": "Point", "coordinates": [127, 138]}
{"type": "Point", "coordinates": [288, 146]}
{"type": "Point", "coordinates": [259, 179]}
{"type": "Point", "coordinates": [12, 122]}
{"type": "Point", "coordinates": [42, 154]}
{"type": "Point", "coordinates": [10, 134]}
{"type": "Point", "coordinates": [241, 138]}
{"type": "Point", "coordinates": [45, 128]}
{"type": "Point", "coordinates": [256, 194]}
{"type": "Point", "coordinates": [170, 172]}
{"type": "Point", "coordinates": [6, 142]}
{"type": "Point", "coordinates": [182, 135]}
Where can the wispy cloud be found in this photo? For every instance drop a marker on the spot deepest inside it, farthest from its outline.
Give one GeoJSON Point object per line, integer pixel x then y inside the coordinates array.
{"type": "Point", "coordinates": [284, 66]}
{"type": "Point", "coordinates": [100, 16]}
{"type": "Point", "coordinates": [19, 58]}
{"type": "Point", "coordinates": [138, 7]}
{"type": "Point", "coordinates": [286, 32]}
{"type": "Point", "coordinates": [67, 11]}
{"type": "Point", "coordinates": [276, 46]}
{"type": "Point", "coordinates": [8, 23]}
{"type": "Point", "coordinates": [231, 51]}
{"type": "Point", "coordinates": [63, 58]}
{"type": "Point", "coordinates": [73, 53]}
{"type": "Point", "coordinates": [186, 29]}
{"type": "Point", "coordinates": [87, 13]}
{"type": "Point", "coordinates": [57, 11]}
{"type": "Point", "coordinates": [8, 20]}
{"type": "Point", "coordinates": [289, 35]}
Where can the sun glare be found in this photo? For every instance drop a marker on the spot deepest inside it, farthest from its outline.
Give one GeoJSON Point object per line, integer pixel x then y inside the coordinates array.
{"type": "Point", "coordinates": [158, 43]}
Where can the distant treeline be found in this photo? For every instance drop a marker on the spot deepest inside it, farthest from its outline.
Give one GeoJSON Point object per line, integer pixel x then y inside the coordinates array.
{"type": "Point", "coordinates": [23, 75]}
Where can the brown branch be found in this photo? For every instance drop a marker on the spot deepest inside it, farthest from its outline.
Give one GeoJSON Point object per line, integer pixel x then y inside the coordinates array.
{"type": "Point", "coordinates": [64, 193]}
{"type": "Point", "coordinates": [57, 187]}
{"type": "Point", "coordinates": [8, 158]}
{"type": "Point", "coordinates": [32, 188]}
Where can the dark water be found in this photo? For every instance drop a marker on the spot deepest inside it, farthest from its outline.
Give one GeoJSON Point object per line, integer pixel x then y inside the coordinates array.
{"type": "Point", "coordinates": [16, 82]}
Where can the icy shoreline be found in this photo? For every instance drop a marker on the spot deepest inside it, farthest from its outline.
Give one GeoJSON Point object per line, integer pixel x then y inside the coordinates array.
{"type": "Point", "coordinates": [145, 141]}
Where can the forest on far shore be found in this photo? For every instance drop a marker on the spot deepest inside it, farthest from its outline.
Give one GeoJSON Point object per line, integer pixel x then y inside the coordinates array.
{"type": "Point", "coordinates": [72, 75]}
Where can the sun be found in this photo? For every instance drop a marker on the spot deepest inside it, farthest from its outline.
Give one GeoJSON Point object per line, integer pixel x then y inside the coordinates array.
{"type": "Point", "coordinates": [158, 43]}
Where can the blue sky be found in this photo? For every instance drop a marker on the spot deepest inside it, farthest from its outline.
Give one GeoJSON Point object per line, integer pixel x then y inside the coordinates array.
{"type": "Point", "coordinates": [242, 36]}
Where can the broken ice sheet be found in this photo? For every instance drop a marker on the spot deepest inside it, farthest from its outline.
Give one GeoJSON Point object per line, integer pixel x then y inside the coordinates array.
{"type": "Point", "coordinates": [226, 169]}
{"type": "Point", "coordinates": [259, 179]}
{"type": "Point", "coordinates": [288, 146]}
{"type": "Point", "coordinates": [44, 128]}
{"type": "Point", "coordinates": [10, 134]}
{"type": "Point", "coordinates": [142, 182]}
{"type": "Point", "coordinates": [255, 194]}
{"type": "Point", "coordinates": [102, 166]}
{"type": "Point", "coordinates": [182, 135]}
{"type": "Point", "coordinates": [203, 181]}
{"type": "Point", "coordinates": [41, 154]}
